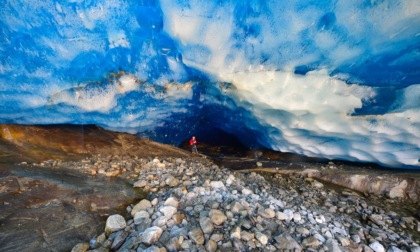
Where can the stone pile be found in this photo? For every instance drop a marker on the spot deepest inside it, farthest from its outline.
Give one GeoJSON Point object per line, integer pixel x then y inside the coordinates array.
{"type": "Point", "coordinates": [194, 205]}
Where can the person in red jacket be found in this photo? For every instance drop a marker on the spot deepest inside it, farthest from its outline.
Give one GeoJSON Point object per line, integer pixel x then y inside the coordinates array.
{"type": "Point", "coordinates": [193, 143]}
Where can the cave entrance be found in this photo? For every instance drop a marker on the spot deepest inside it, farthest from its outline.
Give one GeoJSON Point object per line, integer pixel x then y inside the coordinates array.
{"type": "Point", "coordinates": [215, 142]}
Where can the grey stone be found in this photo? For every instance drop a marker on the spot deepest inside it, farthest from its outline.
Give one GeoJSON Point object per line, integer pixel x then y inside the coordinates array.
{"type": "Point", "coordinates": [132, 241]}
{"type": "Point", "coordinates": [206, 225]}
{"type": "Point", "coordinates": [415, 249]}
{"type": "Point", "coordinates": [302, 230]}
{"type": "Point", "coordinates": [297, 217]}
{"type": "Point", "coordinates": [115, 223]}
{"type": "Point", "coordinates": [332, 245]}
{"type": "Point", "coordinates": [377, 219]}
{"type": "Point", "coordinates": [119, 240]}
{"type": "Point", "coordinates": [168, 211]}
{"type": "Point", "coordinates": [377, 247]}
{"type": "Point", "coordinates": [235, 233]}
{"type": "Point", "coordinates": [289, 214]}
{"type": "Point", "coordinates": [140, 215]}
{"type": "Point", "coordinates": [343, 240]}
{"type": "Point", "coordinates": [286, 242]}
{"type": "Point", "coordinates": [186, 245]}
{"type": "Point", "coordinates": [173, 244]}
{"type": "Point", "coordinates": [246, 191]}
{"type": "Point", "coordinates": [394, 249]}
{"type": "Point", "coordinates": [310, 242]}
{"type": "Point", "coordinates": [211, 246]}
{"type": "Point", "coordinates": [197, 235]}
{"type": "Point", "coordinates": [160, 221]}
{"type": "Point", "coordinates": [319, 237]}
{"type": "Point", "coordinates": [217, 217]}
{"type": "Point", "coordinates": [217, 184]}
{"type": "Point", "coordinates": [356, 238]}
{"type": "Point", "coordinates": [216, 237]}
{"type": "Point", "coordinates": [150, 249]}
{"type": "Point", "coordinates": [236, 207]}
{"type": "Point", "coordinates": [142, 224]}
{"type": "Point", "coordinates": [266, 213]}
{"type": "Point", "coordinates": [142, 205]}
{"type": "Point", "coordinates": [151, 235]}
{"type": "Point", "coordinates": [262, 238]}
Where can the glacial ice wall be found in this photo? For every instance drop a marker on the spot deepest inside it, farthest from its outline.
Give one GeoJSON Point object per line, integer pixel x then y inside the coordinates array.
{"type": "Point", "coordinates": [334, 79]}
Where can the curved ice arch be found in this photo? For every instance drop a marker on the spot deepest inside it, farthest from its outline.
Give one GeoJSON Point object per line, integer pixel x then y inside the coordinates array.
{"type": "Point", "coordinates": [312, 115]}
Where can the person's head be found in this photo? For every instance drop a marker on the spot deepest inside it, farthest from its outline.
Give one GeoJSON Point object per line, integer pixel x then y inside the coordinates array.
{"type": "Point", "coordinates": [193, 137]}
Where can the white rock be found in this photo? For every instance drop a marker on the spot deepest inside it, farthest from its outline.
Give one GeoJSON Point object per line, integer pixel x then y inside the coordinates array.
{"type": "Point", "coordinates": [281, 216]}
{"type": "Point", "coordinates": [297, 217]}
{"type": "Point", "coordinates": [394, 249]}
{"type": "Point", "coordinates": [319, 237]}
{"type": "Point", "coordinates": [262, 238]}
{"type": "Point", "coordinates": [217, 184]}
{"type": "Point", "coordinates": [151, 235]}
{"type": "Point", "coordinates": [115, 223]}
{"type": "Point", "coordinates": [141, 215]}
{"type": "Point", "coordinates": [168, 211]}
{"type": "Point", "coordinates": [289, 214]}
{"type": "Point", "coordinates": [415, 249]}
{"type": "Point", "coordinates": [377, 247]}
{"type": "Point", "coordinates": [235, 233]}
{"type": "Point", "coordinates": [230, 180]}
{"type": "Point", "coordinates": [246, 191]}
{"type": "Point", "coordinates": [277, 202]}
{"type": "Point", "coordinates": [171, 201]}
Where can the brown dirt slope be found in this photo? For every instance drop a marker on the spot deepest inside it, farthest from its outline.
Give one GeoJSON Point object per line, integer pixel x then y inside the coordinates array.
{"type": "Point", "coordinates": [67, 142]}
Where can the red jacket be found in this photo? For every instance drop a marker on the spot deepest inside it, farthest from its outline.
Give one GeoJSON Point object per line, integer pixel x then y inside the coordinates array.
{"type": "Point", "coordinates": [193, 141]}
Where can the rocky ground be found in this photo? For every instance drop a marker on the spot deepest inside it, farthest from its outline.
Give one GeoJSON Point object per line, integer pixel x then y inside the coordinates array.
{"type": "Point", "coordinates": [194, 205]}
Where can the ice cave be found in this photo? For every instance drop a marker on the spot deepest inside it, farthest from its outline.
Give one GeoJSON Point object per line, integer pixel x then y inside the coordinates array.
{"type": "Point", "coordinates": [331, 79]}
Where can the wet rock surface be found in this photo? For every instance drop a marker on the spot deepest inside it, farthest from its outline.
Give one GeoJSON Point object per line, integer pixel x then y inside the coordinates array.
{"type": "Point", "coordinates": [215, 209]}
{"type": "Point", "coordinates": [51, 209]}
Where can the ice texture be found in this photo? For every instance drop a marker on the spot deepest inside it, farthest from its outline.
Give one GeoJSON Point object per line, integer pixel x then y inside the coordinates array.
{"type": "Point", "coordinates": [333, 79]}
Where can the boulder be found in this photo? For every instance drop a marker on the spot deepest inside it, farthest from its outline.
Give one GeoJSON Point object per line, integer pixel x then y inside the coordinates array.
{"type": "Point", "coordinates": [115, 223]}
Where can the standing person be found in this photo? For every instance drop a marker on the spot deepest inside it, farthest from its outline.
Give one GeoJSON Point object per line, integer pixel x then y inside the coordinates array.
{"type": "Point", "coordinates": [193, 143]}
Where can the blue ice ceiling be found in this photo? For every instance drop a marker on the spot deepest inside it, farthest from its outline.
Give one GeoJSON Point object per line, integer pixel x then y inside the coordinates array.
{"type": "Point", "coordinates": [333, 79]}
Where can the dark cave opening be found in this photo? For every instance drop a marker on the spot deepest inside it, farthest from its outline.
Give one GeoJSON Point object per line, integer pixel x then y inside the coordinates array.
{"type": "Point", "coordinates": [215, 142]}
